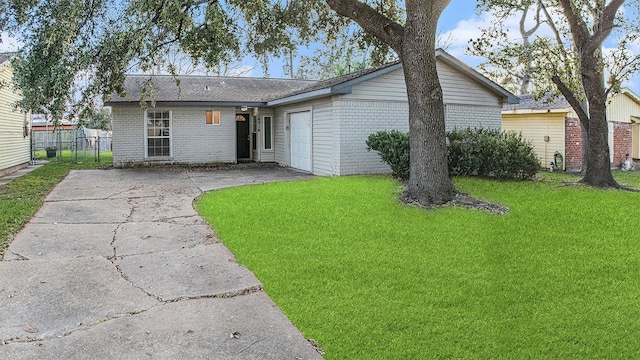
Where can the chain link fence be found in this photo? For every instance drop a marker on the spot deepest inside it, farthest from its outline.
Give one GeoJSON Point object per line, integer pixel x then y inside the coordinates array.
{"type": "Point", "coordinates": [82, 144]}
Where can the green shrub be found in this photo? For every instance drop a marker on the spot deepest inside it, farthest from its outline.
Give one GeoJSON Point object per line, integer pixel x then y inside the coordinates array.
{"type": "Point", "coordinates": [393, 147]}
{"type": "Point", "coordinates": [479, 152]}
{"type": "Point", "coordinates": [491, 153]}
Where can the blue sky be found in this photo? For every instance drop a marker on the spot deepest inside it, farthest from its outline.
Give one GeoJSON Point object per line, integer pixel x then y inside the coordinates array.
{"type": "Point", "coordinates": [460, 23]}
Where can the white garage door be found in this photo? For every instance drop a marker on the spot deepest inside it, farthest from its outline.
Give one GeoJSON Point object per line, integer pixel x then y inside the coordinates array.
{"type": "Point", "coordinates": [301, 140]}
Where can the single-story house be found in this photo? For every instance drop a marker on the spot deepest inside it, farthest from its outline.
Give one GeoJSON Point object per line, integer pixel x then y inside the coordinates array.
{"type": "Point", "coordinates": [15, 152]}
{"type": "Point", "coordinates": [552, 126]}
{"type": "Point", "coordinates": [315, 126]}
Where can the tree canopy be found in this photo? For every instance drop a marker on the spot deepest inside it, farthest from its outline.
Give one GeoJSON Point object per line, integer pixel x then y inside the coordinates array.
{"type": "Point", "coordinates": [96, 42]}
{"type": "Point", "coordinates": [568, 59]}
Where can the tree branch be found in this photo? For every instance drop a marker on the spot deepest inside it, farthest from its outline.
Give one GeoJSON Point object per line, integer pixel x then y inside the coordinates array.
{"type": "Point", "coordinates": [573, 101]}
{"type": "Point", "coordinates": [372, 21]}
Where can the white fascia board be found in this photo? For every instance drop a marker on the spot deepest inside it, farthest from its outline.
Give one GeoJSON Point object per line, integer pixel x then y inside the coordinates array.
{"type": "Point", "coordinates": [301, 97]}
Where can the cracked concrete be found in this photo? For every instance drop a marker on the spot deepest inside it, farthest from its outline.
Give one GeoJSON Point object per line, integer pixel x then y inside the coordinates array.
{"type": "Point", "coordinates": [117, 264]}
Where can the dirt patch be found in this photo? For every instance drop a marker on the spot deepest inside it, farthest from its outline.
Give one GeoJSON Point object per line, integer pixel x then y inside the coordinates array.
{"type": "Point", "coordinates": [463, 200]}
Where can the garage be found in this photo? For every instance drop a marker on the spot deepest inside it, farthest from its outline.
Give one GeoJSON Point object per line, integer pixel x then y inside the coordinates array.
{"type": "Point", "coordinates": [300, 135]}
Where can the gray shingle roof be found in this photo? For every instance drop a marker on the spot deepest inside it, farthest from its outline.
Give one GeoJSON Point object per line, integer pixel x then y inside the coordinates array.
{"type": "Point", "coordinates": [5, 56]}
{"type": "Point", "coordinates": [220, 89]}
{"type": "Point", "coordinates": [529, 102]}
{"type": "Point", "coordinates": [333, 81]}
{"type": "Point", "coordinates": [255, 91]}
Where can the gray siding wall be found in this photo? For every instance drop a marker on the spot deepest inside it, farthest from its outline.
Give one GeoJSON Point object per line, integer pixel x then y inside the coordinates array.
{"type": "Point", "coordinates": [193, 141]}
{"type": "Point", "coordinates": [457, 88]}
{"type": "Point", "coordinates": [14, 146]}
{"type": "Point", "coordinates": [325, 132]}
{"type": "Point", "coordinates": [388, 87]}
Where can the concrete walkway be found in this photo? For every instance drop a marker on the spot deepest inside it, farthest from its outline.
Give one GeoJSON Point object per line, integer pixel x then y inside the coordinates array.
{"type": "Point", "coordinates": [118, 265]}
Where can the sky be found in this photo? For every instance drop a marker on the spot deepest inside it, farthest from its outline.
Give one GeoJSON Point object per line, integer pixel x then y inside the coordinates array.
{"type": "Point", "coordinates": [459, 23]}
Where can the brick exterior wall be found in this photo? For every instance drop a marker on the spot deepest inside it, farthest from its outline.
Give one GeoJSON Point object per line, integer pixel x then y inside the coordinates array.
{"type": "Point", "coordinates": [621, 142]}
{"type": "Point", "coordinates": [573, 145]}
{"type": "Point", "coordinates": [192, 141]}
{"type": "Point", "coordinates": [473, 116]}
{"type": "Point", "coordinates": [359, 119]}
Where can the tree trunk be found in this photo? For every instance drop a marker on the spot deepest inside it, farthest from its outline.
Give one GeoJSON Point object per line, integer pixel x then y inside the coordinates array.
{"type": "Point", "coordinates": [585, 144]}
{"type": "Point", "coordinates": [598, 172]}
{"type": "Point", "coordinates": [429, 181]}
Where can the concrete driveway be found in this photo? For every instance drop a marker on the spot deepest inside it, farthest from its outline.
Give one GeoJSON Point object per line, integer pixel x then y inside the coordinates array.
{"type": "Point", "coordinates": [118, 265]}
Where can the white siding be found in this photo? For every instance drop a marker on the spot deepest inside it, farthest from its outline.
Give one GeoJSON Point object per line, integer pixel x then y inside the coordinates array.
{"type": "Point", "coordinates": [14, 146]}
{"type": "Point", "coordinates": [192, 141]}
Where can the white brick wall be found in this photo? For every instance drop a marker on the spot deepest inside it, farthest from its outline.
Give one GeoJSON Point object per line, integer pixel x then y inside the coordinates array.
{"type": "Point", "coordinates": [192, 140]}
{"type": "Point", "coordinates": [473, 116]}
{"type": "Point", "coordinates": [359, 119]}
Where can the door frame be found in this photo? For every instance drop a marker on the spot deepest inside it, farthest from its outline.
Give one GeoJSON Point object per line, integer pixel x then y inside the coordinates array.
{"type": "Point", "coordinates": [247, 116]}
{"type": "Point", "coordinates": [287, 115]}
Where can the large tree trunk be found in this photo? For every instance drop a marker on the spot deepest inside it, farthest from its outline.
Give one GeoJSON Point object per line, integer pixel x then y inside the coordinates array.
{"type": "Point", "coordinates": [429, 181]}
{"type": "Point", "coordinates": [588, 41]}
{"type": "Point", "coordinates": [598, 172]}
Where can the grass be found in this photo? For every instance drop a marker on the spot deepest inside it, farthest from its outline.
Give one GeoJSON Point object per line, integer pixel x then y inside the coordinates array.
{"type": "Point", "coordinates": [369, 278]}
{"type": "Point", "coordinates": [22, 197]}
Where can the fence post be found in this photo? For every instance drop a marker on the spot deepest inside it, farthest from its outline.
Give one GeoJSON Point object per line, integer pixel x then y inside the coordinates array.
{"type": "Point", "coordinates": [98, 147]}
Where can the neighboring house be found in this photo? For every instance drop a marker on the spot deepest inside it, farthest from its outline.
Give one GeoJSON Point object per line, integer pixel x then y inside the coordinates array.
{"type": "Point", "coordinates": [15, 152]}
{"type": "Point", "coordinates": [40, 123]}
{"type": "Point", "coordinates": [553, 126]}
{"type": "Point", "coordinates": [319, 127]}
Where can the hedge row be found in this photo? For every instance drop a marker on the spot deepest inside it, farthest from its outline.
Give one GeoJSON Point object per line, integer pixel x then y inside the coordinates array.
{"type": "Point", "coordinates": [472, 152]}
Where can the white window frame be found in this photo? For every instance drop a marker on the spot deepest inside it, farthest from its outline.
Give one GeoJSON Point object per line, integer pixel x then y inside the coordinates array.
{"type": "Point", "coordinates": [213, 118]}
{"type": "Point", "coordinates": [146, 136]}
{"type": "Point", "coordinates": [264, 133]}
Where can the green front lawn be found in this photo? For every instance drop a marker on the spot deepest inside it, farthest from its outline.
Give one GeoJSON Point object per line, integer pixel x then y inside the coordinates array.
{"type": "Point", "coordinates": [22, 197]}
{"type": "Point", "coordinates": [369, 278]}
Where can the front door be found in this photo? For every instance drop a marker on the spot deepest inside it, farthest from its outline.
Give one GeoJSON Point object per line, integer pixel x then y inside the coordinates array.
{"type": "Point", "coordinates": [242, 132]}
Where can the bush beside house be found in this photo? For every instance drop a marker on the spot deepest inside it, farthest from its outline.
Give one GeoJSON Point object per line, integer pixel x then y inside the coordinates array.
{"type": "Point", "coordinates": [472, 152]}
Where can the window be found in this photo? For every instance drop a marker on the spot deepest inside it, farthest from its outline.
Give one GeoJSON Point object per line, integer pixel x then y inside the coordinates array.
{"type": "Point", "coordinates": [158, 130]}
{"type": "Point", "coordinates": [268, 137]}
{"type": "Point", "coordinates": [213, 117]}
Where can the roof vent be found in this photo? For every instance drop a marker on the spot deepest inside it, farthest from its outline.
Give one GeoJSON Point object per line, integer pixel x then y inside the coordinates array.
{"type": "Point", "coordinates": [206, 87]}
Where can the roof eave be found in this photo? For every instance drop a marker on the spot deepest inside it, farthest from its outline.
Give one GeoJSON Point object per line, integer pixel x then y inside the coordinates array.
{"type": "Point", "coordinates": [191, 103]}
{"type": "Point", "coordinates": [336, 89]}
{"type": "Point", "coordinates": [316, 94]}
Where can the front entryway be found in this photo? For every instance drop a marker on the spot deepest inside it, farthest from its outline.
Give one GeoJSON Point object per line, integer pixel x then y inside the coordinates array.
{"type": "Point", "coordinates": [242, 133]}
{"type": "Point", "coordinates": [300, 140]}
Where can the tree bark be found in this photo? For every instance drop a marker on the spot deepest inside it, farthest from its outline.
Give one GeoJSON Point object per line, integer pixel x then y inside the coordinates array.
{"type": "Point", "coordinates": [589, 46]}
{"type": "Point", "coordinates": [429, 182]}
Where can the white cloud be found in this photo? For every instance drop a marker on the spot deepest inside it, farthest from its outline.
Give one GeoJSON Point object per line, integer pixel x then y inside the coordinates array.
{"type": "Point", "coordinates": [9, 44]}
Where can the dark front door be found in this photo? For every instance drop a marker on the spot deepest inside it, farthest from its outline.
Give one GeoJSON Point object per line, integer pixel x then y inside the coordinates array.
{"type": "Point", "coordinates": [242, 131]}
